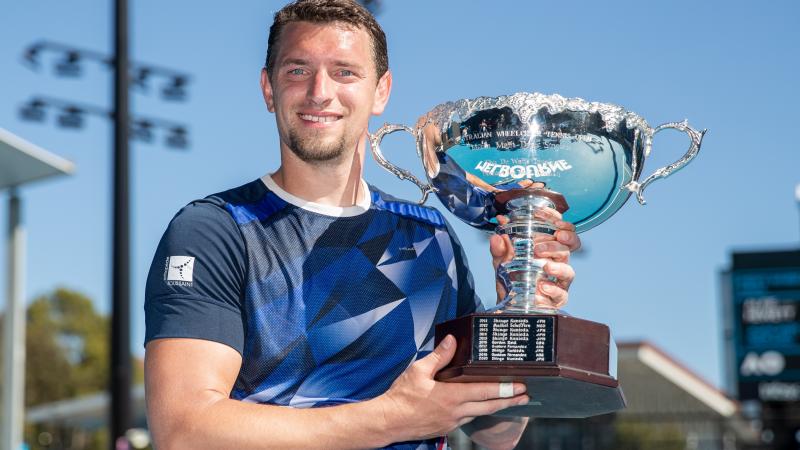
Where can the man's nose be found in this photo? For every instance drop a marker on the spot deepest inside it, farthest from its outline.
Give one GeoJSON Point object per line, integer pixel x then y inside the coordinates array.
{"type": "Point", "coordinates": [320, 92]}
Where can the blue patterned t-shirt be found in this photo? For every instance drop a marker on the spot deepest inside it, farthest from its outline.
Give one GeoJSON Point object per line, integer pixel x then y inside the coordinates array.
{"type": "Point", "coordinates": [326, 306]}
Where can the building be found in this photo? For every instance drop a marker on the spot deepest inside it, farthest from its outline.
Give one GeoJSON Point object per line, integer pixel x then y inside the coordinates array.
{"type": "Point", "coordinates": [669, 407]}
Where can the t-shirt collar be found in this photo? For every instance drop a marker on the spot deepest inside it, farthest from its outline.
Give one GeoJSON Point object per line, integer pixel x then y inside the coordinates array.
{"type": "Point", "coordinates": [360, 207]}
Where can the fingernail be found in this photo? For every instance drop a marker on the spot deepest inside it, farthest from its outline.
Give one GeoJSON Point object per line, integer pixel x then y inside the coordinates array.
{"type": "Point", "coordinates": [548, 288]}
{"type": "Point", "coordinates": [524, 400]}
{"type": "Point", "coordinates": [447, 342]}
{"type": "Point", "coordinates": [519, 388]}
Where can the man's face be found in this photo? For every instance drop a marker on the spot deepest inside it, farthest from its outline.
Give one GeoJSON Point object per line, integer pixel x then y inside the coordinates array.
{"type": "Point", "coordinates": [324, 89]}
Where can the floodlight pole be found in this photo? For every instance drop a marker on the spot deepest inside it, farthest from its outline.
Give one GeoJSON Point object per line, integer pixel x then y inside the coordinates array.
{"type": "Point", "coordinates": [14, 331]}
{"type": "Point", "coordinates": [797, 196]}
{"type": "Point", "coordinates": [120, 420]}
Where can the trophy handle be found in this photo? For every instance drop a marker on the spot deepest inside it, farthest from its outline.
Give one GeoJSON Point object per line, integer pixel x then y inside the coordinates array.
{"type": "Point", "coordinates": [696, 138]}
{"type": "Point", "coordinates": [375, 145]}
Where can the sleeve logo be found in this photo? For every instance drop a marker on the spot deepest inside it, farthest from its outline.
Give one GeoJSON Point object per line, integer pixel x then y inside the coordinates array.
{"type": "Point", "coordinates": [179, 270]}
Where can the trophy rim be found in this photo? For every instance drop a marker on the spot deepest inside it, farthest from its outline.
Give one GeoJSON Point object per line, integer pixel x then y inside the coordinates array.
{"type": "Point", "coordinates": [528, 104]}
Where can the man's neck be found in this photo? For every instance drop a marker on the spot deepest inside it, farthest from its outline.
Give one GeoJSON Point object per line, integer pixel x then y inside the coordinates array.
{"type": "Point", "coordinates": [332, 183]}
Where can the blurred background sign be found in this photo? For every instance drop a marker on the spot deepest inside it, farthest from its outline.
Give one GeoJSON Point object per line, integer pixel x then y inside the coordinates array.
{"type": "Point", "coordinates": [766, 332]}
{"type": "Point", "coordinates": [762, 313]}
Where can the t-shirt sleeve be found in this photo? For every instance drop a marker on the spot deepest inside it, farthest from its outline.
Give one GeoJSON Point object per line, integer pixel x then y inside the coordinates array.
{"type": "Point", "coordinates": [195, 287]}
{"type": "Point", "coordinates": [468, 300]}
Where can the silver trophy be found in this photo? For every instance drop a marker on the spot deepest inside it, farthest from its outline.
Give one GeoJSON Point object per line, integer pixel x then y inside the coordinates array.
{"type": "Point", "coordinates": [533, 157]}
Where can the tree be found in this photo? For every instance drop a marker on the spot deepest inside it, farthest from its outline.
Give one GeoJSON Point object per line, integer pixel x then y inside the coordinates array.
{"type": "Point", "coordinates": [66, 321]}
{"type": "Point", "coordinates": [646, 436]}
{"type": "Point", "coordinates": [67, 346]}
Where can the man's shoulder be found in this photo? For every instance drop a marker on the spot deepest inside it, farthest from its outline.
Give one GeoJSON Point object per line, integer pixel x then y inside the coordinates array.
{"type": "Point", "coordinates": [219, 208]}
{"type": "Point", "coordinates": [249, 193]}
{"type": "Point", "coordinates": [408, 209]}
{"type": "Point", "coordinates": [244, 204]}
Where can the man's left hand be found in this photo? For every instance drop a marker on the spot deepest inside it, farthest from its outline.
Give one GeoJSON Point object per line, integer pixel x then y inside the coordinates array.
{"type": "Point", "coordinates": [556, 248]}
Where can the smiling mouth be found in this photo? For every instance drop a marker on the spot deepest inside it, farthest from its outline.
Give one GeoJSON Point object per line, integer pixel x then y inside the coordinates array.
{"type": "Point", "coordinates": [320, 119]}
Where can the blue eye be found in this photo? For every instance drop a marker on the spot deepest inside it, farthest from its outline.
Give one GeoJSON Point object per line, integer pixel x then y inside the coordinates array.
{"type": "Point", "coordinates": [296, 72]}
{"type": "Point", "coordinates": [346, 73]}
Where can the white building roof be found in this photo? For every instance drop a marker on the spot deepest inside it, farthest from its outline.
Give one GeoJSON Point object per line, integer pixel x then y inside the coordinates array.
{"type": "Point", "coordinates": [656, 383]}
{"type": "Point", "coordinates": [22, 161]}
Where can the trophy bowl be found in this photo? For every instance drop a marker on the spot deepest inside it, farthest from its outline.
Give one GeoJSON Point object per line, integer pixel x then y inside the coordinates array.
{"type": "Point", "coordinates": [591, 153]}
{"type": "Point", "coordinates": [534, 158]}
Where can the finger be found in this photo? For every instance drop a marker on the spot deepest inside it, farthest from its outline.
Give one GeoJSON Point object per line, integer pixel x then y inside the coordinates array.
{"type": "Point", "coordinates": [506, 389]}
{"type": "Point", "coordinates": [497, 246]}
{"type": "Point", "coordinates": [501, 289]}
{"type": "Point", "coordinates": [465, 420]}
{"type": "Point", "coordinates": [564, 225]}
{"type": "Point", "coordinates": [548, 215]}
{"type": "Point", "coordinates": [525, 183]}
{"type": "Point", "coordinates": [439, 357]}
{"type": "Point", "coordinates": [483, 391]}
{"type": "Point", "coordinates": [541, 238]}
{"type": "Point", "coordinates": [569, 238]}
{"type": "Point", "coordinates": [563, 273]}
{"type": "Point", "coordinates": [501, 249]}
{"type": "Point", "coordinates": [550, 295]}
{"type": "Point", "coordinates": [553, 250]}
{"type": "Point", "coordinates": [488, 407]}
{"type": "Point", "coordinates": [500, 244]}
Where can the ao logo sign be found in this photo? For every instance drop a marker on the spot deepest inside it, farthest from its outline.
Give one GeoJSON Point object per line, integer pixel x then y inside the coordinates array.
{"type": "Point", "coordinates": [768, 363]}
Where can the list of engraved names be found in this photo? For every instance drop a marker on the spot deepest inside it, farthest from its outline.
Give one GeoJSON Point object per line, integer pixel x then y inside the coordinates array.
{"type": "Point", "coordinates": [508, 338]}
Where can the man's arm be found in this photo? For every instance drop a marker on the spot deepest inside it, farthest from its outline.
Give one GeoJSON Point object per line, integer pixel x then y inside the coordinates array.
{"type": "Point", "coordinates": [188, 383]}
{"type": "Point", "coordinates": [496, 432]}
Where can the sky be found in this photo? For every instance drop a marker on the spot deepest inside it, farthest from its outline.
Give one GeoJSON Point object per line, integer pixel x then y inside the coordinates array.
{"type": "Point", "coordinates": [650, 272]}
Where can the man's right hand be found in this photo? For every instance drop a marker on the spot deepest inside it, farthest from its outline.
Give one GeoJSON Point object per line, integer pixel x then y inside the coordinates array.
{"type": "Point", "coordinates": [416, 406]}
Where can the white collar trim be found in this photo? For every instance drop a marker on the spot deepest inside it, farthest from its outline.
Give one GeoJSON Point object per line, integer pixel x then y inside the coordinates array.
{"type": "Point", "coordinates": [360, 207]}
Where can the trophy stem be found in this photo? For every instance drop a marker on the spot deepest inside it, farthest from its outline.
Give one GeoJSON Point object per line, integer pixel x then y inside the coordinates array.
{"type": "Point", "coordinates": [528, 224]}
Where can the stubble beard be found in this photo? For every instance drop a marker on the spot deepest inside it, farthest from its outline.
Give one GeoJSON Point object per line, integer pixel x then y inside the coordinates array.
{"type": "Point", "coordinates": [313, 150]}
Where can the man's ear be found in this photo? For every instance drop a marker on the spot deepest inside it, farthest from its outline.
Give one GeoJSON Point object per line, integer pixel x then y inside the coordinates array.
{"type": "Point", "coordinates": [266, 90]}
{"type": "Point", "coordinates": [382, 91]}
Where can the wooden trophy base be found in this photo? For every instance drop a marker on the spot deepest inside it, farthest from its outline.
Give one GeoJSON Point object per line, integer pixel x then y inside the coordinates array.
{"type": "Point", "coordinates": [568, 364]}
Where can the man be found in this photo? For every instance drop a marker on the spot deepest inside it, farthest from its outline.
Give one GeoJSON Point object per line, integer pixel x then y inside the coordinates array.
{"type": "Point", "coordinates": [297, 311]}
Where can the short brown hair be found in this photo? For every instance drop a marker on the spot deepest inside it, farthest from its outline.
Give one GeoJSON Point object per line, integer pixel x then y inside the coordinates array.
{"type": "Point", "coordinates": [328, 11]}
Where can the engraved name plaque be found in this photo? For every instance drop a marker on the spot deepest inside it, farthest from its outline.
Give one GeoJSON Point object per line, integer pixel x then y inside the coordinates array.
{"type": "Point", "coordinates": [521, 339]}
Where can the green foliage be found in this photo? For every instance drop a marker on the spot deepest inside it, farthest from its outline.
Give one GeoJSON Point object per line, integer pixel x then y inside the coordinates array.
{"type": "Point", "coordinates": [644, 436]}
{"type": "Point", "coordinates": [68, 348]}
{"type": "Point", "coordinates": [47, 371]}
{"type": "Point", "coordinates": [67, 356]}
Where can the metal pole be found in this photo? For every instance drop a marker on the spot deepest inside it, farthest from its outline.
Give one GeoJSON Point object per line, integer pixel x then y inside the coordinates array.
{"type": "Point", "coordinates": [120, 320]}
{"type": "Point", "coordinates": [797, 195]}
{"type": "Point", "coordinates": [14, 332]}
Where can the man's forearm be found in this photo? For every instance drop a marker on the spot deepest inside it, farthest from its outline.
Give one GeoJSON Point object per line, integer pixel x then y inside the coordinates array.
{"type": "Point", "coordinates": [226, 423]}
{"type": "Point", "coordinates": [192, 409]}
{"type": "Point", "coordinates": [496, 432]}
